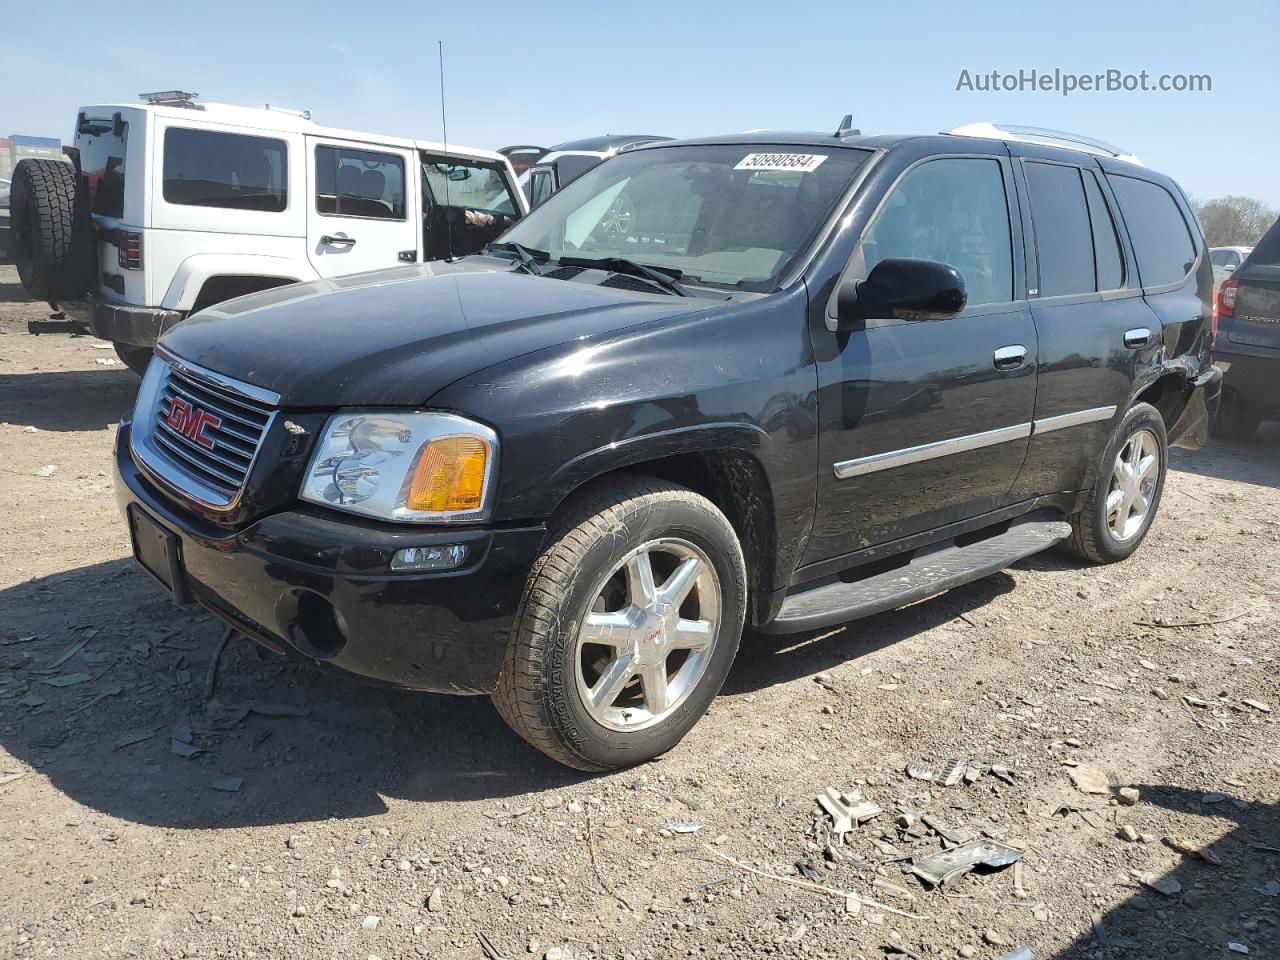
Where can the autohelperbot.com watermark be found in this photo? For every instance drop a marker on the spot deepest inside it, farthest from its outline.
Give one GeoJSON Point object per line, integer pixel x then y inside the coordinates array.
{"type": "Point", "coordinates": [1065, 82]}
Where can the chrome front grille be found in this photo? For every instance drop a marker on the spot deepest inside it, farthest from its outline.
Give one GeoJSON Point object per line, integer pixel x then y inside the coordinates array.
{"type": "Point", "coordinates": [204, 430]}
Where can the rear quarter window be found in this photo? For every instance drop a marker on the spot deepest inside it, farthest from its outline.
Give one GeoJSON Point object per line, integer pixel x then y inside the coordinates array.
{"type": "Point", "coordinates": [1267, 252]}
{"type": "Point", "coordinates": [1161, 239]}
{"type": "Point", "coordinates": [205, 168]}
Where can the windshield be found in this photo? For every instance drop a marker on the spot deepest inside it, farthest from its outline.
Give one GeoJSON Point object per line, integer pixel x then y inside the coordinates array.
{"type": "Point", "coordinates": [724, 215]}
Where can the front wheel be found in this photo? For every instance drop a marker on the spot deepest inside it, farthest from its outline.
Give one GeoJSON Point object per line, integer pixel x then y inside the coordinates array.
{"type": "Point", "coordinates": [1120, 508]}
{"type": "Point", "coordinates": [630, 621]}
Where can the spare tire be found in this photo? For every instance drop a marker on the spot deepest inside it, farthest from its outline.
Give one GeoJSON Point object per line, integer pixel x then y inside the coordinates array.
{"type": "Point", "coordinates": [51, 232]}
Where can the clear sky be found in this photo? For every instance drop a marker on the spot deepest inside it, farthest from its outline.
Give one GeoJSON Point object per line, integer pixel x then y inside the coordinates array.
{"type": "Point", "coordinates": [541, 73]}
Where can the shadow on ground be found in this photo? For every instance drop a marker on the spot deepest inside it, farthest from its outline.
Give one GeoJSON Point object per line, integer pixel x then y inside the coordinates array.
{"type": "Point", "coordinates": [105, 738]}
{"type": "Point", "coordinates": [1207, 905]}
{"type": "Point", "coordinates": [1256, 461]}
{"type": "Point", "coordinates": [68, 400]}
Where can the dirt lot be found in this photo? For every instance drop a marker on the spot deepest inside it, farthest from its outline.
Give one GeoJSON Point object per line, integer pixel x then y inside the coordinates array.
{"type": "Point", "coordinates": [333, 830]}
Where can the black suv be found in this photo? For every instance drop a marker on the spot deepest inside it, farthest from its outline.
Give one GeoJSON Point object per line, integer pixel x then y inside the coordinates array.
{"type": "Point", "coordinates": [815, 378]}
{"type": "Point", "coordinates": [1247, 345]}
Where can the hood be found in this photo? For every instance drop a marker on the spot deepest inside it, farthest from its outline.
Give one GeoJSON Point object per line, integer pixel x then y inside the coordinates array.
{"type": "Point", "coordinates": [398, 336]}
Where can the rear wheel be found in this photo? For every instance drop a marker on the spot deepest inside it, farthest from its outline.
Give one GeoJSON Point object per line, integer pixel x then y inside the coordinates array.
{"type": "Point", "coordinates": [135, 358]}
{"type": "Point", "coordinates": [1122, 505]}
{"type": "Point", "coordinates": [1237, 420]}
{"type": "Point", "coordinates": [630, 621]}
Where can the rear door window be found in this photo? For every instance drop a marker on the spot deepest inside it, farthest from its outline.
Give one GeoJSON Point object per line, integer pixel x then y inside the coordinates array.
{"type": "Point", "coordinates": [1162, 242]}
{"type": "Point", "coordinates": [359, 183]}
{"type": "Point", "coordinates": [207, 168]}
{"type": "Point", "coordinates": [953, 210]}
{"type": "Point", "coordinates": [1064, 237]}
{"type": "Point", "coordinates": [1106, 242]}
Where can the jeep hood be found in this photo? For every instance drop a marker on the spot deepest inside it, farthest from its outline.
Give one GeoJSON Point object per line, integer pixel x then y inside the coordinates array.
{"type": "Point", "coordinates": [398, 336]}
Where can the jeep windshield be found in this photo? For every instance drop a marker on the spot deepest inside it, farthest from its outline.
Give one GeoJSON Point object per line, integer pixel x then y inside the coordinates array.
{"type": "Point", "coordinates": [725, 215]}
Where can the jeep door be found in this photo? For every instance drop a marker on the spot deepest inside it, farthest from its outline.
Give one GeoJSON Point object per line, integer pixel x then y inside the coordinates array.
{"type": "Point", "coordinates": [363, 213]}
{"type": "Point", "coordinates": [923, 423]}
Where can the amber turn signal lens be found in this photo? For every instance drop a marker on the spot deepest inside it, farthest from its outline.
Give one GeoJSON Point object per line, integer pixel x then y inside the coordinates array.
{"type": "Point", "coordinates": [449, 476]}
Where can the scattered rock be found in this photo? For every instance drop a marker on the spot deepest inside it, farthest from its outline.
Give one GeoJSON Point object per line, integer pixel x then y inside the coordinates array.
{"type": "Point", "coordinates": [1090, 779]}
{"type": "Point", "coordinates": [993, 937]}
{"type": "Point", "coordinates": [435, 901]}
{"type": "Point", "coordinates": [1128, 833]}
{"type": "Point", "coordinates": [370, 923]}
{"type": "Point", "coordinates": [1128, 795]}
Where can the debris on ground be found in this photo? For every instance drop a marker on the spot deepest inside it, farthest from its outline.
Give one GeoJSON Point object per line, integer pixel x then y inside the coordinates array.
{"type": "Point", "coordinates": [680, 825]}
{"type": "Point", "coordinates": [943, 867]}
{"type": "Point", "coordinates": [228, 784]}
{"type": "Point", "coordinates": [1090, 779]}
{"type": "Point", "coordinates": [847, 810]}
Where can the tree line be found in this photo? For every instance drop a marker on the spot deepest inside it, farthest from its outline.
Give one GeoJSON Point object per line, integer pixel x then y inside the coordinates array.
{"type": "Point", "coordinates": [1234, 221]}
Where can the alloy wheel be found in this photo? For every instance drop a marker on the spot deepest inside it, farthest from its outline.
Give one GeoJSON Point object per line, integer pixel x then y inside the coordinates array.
{"type": "Point", "coordinates": [647, 639]}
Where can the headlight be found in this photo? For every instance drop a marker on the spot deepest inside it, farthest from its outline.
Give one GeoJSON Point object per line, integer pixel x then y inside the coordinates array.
{"type": "Point", "coordinates": [414, 467]}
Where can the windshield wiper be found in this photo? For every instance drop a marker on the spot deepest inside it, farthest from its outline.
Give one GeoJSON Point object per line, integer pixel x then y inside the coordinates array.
{"type": "Point", "coordinates": [526, 258]}
{"type": "Point", "coordinates": [661, 277]}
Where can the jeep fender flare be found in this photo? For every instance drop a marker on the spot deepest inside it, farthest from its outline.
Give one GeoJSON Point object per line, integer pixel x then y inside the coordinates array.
{"type": "Point", "coordinates": [196, 270]}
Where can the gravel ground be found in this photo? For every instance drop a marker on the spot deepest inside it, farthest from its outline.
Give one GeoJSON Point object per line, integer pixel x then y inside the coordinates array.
{"type": "Point", "coordinates": [295, 815]}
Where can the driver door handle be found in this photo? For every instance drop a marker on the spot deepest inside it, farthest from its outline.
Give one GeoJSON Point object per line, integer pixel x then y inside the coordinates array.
{"type": "Point", "coordinates": [1011, 357]}
{"type": "Point", "coordinates": [338, 241]}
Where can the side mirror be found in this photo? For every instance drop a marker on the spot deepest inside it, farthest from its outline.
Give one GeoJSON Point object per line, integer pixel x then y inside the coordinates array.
{"type": "Point", "coordinates": [903, 289]}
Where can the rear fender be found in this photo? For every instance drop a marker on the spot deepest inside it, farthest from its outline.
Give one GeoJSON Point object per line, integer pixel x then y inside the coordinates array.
{"type": "Point", "coordinates": [194, 271]}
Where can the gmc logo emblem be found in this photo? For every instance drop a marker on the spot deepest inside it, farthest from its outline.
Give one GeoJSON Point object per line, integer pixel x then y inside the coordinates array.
{"type": "Point", "coordinates": [191, 421]}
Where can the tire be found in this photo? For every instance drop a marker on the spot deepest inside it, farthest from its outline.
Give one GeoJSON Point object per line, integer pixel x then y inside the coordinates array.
{"type": "Point", "coordinates": [135, 358]}
{"type": "Point", "coordinates": [1093, 536]}
{"type": "Point", "coordinates": [1237, 420]}
{"type": "Point", "coordinates": [51, 233]}
{"type": "Point", "coordinates": [543, 691]}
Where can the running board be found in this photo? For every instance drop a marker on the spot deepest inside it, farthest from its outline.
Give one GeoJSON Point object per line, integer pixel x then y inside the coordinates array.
{"type": "Point", "coordinates": [933, 570]}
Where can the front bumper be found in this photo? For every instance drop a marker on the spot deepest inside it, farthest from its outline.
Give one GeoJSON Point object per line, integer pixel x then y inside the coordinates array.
{"type": "Point", "coordinates": [122, 323]}
{"type": "Point", "coordinates": [316, 585]}
{"type": "Point", "coordinates": [1255, 379]}
{"type": "Point", "coordinates": [1191, 429]}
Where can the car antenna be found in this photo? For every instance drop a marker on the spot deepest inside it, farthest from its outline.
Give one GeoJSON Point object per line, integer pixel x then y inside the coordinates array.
{"type": "Point", "coordinates": [846, 127]}
{"type": "Point", "coordinates": [444, 133]}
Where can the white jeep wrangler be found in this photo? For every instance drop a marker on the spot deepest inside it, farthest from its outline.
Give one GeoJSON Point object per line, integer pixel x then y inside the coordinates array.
{"type": "Point", "coordinates": [173, 205]}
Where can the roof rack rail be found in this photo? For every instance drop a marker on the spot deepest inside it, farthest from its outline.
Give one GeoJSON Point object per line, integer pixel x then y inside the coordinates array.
{"type": "Point", "coordinates": [1018, 133]}
{"type": "Point", "coordinates": [171, 98]}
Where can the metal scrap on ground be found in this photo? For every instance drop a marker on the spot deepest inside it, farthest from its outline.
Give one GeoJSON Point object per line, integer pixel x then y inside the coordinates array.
{"type": "Point", "coordinates": [947, 865]}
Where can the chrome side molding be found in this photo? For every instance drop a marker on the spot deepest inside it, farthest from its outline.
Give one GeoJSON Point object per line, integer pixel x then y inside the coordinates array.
{"type": "Point", "coordinates": [973, 441]}
{"type": "Point", "coordinates": [1074, 419]}
{"type": "Point", "coordinates": [929, 451]}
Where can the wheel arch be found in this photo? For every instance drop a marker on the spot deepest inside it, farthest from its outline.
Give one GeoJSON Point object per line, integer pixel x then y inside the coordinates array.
{"type": "Point", "coordinates": [190, 289]}
{"type": "Point", "coordinates": [714, 463]}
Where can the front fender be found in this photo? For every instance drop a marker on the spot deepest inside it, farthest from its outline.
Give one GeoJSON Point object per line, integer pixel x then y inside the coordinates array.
{"type": "Point", "coordinates": [195, 270]}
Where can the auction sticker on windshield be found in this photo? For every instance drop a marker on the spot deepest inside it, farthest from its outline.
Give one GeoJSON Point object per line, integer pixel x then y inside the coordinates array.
{"type": "Point", "coordinates": [797, 162]}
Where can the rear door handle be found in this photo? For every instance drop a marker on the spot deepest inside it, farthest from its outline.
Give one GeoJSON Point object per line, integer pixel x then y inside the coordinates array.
{"type": "Point", "coordinates": [1011, 357]}
{"type": "Point", "coordinates": [1138, 337]}
{"type": "Point", "coordinates": [338, 241]}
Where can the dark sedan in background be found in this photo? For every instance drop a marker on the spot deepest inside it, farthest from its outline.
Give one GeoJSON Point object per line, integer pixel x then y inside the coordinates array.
{"type": "Point", "coordinates": [1247, 346]}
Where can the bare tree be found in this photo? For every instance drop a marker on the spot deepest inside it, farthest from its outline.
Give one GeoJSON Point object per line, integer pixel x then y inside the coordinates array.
{"type": "Point", "coordinates": [1234, 221]}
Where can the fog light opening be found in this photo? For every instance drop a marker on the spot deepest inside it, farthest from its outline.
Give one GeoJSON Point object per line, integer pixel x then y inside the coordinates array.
{"type": "Point", "coordinates": [319, 630]}
{"type": "Point", "coordinates": [443, 556]}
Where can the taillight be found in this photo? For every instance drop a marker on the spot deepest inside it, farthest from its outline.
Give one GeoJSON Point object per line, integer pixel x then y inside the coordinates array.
{"type": "Point", "coordinates": [129, 249]}
{"type": "Point", "coordinates": [1225, 305]}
